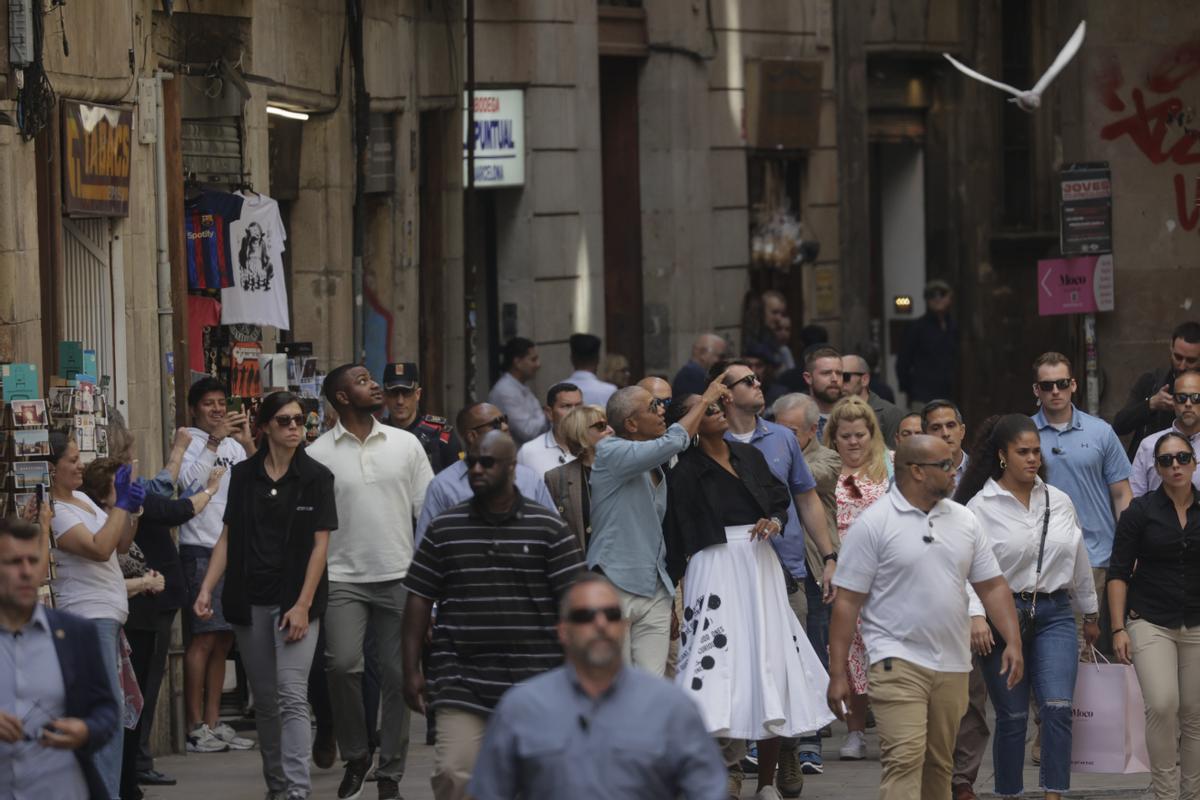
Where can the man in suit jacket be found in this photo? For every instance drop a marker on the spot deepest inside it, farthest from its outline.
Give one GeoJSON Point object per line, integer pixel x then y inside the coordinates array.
{"type": "Point", "coordinates": [56, 707]}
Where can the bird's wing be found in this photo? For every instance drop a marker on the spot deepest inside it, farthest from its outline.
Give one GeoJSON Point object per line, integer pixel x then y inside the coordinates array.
{"type": "Point", "coordinates": [1064, 57]}
{"type": "Point", "coordinates": [963, 68]}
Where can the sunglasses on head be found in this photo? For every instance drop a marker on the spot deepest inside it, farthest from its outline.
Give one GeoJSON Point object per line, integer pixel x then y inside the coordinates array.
{"type": "Point", "coordinates": [583, 616]}
{"type": "Point", "coordinates": [599, 425]}
{"type": "Point", "coordinates": [487, 462]}
{"type": "Point", "coordinates": [658, 403]}
{"type": "Point", "coordinates": [495, 424]}
{"type": "Point", "coordinates": [286, 421]}
{"type": "Point", "coordinates": [1182, 398]}
{"type": "Point", "coordinates": [750, 381]}
{"type": "Point", "coordinates": [1167, 459]}
{"type": "Point", "coordinates": [1062, 384]}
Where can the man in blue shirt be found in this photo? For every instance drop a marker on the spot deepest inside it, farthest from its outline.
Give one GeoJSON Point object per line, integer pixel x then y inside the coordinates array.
{"type": "Point", "coordinates": [1084, 458]}
{"type": "Point", "coordinates": [629, 501]}
{"type": "Point", "coordinates": [692, 377]}
{"type": "Point", "coordinates": [594, 727]}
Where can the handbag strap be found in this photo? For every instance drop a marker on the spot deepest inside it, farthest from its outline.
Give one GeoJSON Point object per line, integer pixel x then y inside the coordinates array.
{"type": "Point", "coordinates": [1041, 551]}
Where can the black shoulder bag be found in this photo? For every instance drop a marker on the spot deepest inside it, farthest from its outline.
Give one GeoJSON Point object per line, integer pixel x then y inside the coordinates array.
{"type": "Point", "coordinates": [1025, 619]}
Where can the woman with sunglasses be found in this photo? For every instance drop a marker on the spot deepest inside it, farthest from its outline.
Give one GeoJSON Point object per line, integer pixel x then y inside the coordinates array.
{"type": "Point", "coordinates": [273, 546]}
{"type": "Point", "coordinates": [582, 428]}
{"type": "Point", "coordinates": [742, 653]}
{"type": "Point", "coordinates": [1155, 612]}
{"type": "Point", "coordinates": [1036, 538]}
{"type": "Point", "coordinates": [853, 431]}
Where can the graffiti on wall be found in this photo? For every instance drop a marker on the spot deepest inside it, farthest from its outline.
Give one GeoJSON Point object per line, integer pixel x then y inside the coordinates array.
{"type": "Point", "coordinates": [1155, 118]}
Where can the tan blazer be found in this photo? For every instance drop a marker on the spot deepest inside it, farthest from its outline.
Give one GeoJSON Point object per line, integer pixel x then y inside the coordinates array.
{"type": "Point", "coordinates": [566, 488]}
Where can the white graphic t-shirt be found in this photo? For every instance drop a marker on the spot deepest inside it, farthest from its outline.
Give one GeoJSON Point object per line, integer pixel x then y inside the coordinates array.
{"type": "Point", "coordinates": [256, 243]}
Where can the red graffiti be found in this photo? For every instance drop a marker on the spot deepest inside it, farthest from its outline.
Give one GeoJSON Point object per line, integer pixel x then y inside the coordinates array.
{"type": "Point", "coordinates": [1174, 68]}
{"type": "Point", "coordinates": [1187, 219]}
{"type": "Point", "coordinates": [1108, 80]}
{"type": "Point", "coordinates": [1148, 128]}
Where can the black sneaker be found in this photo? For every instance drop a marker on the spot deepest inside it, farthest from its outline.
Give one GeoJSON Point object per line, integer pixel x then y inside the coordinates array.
{"type": "Point", "coordinates": [389, 789]}
{"type": "Point", "coordinates": [351, 787]}
{"type": "Point", "coordinates": [324, 750]}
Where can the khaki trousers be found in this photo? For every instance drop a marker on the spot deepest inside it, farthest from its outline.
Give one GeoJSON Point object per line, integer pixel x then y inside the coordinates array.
{"type": "Point", "coordinates": [1168, 668]}
{"type": "Point", "coordinates": [649, 635]}
{"type": "Point", "coordinates": [973, 731]}
{"type": "Point", "coordinates": [917, 712]}
{"type": "Point", "coordinates": [459, 736]}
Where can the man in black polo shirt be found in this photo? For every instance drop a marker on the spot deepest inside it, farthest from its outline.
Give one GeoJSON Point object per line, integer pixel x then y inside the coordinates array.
{"type": "Point", "coordinates": [496, 566]}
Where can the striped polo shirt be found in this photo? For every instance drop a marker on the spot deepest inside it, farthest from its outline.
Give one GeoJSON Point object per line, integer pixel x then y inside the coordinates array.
{"type": "Point", "coordinates": [497, 581]}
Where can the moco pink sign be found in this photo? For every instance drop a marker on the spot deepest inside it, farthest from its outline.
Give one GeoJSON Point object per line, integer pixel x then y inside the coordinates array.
{"type": "Point", "coordinates": [1081, 285]}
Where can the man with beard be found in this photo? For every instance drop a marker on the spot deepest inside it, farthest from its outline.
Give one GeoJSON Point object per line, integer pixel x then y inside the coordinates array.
{"type": "Point", "coordinates": [496, 566]}
{"type": "Point", "coordinates": [823, 374]}
{"type": "Point", "coordinates": [381, 474]}
{"type": "Point", "coordinates": [570, 732]}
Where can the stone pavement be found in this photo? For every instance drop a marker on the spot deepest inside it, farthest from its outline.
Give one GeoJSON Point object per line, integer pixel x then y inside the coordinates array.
{"type": "Point", "coordinates": [238, 776]}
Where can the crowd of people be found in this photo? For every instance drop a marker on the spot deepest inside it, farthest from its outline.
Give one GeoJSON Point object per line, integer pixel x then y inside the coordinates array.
{"type": "Point", "coordinates": [631, 589]}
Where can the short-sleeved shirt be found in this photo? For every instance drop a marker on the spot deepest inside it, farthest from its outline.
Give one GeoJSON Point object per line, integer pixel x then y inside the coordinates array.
{"type": "Point", "coordinates": [207, 219]}
{"type": "Point", "coordinates": [786, 461]}
{"type": "Point", "coordinates": [496, 582]}
{"type": "Point", "coordinates": [916, 606]}
{"type": "Point", "coordinates": [86, 588]}
{"type": "Point", "coordinates": [1083, 461]}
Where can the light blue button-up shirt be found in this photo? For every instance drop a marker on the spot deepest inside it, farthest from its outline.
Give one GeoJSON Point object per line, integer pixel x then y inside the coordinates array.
{"type": "Point", "coordinates": [628, 510]}
{"type": "Point", "coordinates": [451, 487]}
{"type": "Point", "coordinates": [1084, 461]}
{"type": "Point", "coordinates": [32, 690]}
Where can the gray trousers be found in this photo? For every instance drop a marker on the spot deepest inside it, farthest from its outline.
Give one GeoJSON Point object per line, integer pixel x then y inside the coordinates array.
{"type": "Point", "coordinates": [278, 674]}
{"type": "Point", "coordinates": [352, 606]}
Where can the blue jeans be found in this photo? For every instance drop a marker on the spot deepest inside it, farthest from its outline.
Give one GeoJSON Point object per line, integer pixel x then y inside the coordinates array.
{"type": "Point", "coordinates": [108, 757]}
{"type": "Point", "coordinates": [1051, 659]}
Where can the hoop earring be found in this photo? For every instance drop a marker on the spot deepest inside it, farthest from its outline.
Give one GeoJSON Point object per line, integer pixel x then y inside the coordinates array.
{"type": "Point", "coordinates": [1003, 465]}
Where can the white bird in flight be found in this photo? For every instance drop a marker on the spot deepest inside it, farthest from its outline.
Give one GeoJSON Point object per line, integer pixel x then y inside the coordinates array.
{"type": "Point", "coordinates": [1032, 99]}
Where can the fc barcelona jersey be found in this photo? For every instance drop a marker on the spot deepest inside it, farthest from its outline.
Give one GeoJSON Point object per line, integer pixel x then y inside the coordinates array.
{"type": "Point", "coordinates": [207, 220]}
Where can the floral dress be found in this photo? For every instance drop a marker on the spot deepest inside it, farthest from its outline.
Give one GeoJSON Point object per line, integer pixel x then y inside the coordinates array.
{"type": "Point", "coordinates": [856, 493]}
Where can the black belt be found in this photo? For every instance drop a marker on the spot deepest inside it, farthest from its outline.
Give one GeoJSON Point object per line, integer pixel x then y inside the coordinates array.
{"type": "Point", "coordinates": [1028, 596]}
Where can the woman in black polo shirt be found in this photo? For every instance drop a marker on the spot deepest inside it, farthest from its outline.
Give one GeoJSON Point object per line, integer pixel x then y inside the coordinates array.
{"type": "Point", "coordinates": [277, 523]}
{"type": "Point", "coordinates": [743, 656]}
{"type": "Point", "coordinates": [1160, 534]}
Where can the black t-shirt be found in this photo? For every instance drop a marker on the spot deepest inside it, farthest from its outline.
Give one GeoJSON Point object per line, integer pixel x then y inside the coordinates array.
{"type": "Point", "coordinates": [272, 501]}
{"type": "Point", "coordinates": [734, 502]}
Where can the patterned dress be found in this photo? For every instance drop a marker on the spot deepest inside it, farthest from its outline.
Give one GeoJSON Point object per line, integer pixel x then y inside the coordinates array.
{"type": "Point", "coordinates": [855, 493]}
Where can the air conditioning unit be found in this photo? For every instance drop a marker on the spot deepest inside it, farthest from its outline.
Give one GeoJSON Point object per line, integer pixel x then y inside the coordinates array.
{"type": "Point", "coordinates": [20, 32]}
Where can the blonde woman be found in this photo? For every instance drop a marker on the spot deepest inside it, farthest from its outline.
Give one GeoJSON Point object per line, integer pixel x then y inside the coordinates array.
{"type": "Point", "coordinates": [568, 484]}
{"type": "Point", "coordinates": [853, 431]}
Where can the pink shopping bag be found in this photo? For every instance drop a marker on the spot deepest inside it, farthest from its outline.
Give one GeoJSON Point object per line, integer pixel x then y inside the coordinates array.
{"type": "Point", "coordinates": [1108, 732]}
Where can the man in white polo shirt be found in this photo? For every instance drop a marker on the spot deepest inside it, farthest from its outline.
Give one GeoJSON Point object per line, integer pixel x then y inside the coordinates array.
{"type": "Point", "coordinates": [549, 451]}
{"type": "Point", "coordinates": [904, 565]}
{"type": "Point", "coordinates": [380, 477]}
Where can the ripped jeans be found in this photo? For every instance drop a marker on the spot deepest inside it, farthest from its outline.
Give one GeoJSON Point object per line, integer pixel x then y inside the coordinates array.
{"type": "Point", "coordinates": [1051, 660]}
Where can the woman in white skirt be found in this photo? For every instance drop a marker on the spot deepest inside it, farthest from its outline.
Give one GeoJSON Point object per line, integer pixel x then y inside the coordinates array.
{"type": "Point", "coordinates": [743, 656]}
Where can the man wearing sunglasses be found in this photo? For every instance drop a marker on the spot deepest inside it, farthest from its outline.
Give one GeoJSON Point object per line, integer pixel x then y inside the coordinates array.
{"type": "Point", "coordinates": [569, 732]}
{"type": "Point", "coordinates": [452, 485]}
{"type": "Point", "coordinates": [1084, 458]}
{"type": "Point", "coordinates": [1150, 406]}
{"type": "Point", "coordinates": [496, 565]}
{"type": "Point", "coordinates": [660, 390]}
{"type": "Point", "coordinates": [1185, 396]}
{"type": "Point", "coordinates": [856, 380]}
{"type": "Point", "coordinates": [402, 392]}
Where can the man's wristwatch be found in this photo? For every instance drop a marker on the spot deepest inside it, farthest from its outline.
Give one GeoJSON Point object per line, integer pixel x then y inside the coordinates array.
{"type": "Point", "coordinates": [1091, 617]}
{"type": "Point", "coordinates": [830, 557]}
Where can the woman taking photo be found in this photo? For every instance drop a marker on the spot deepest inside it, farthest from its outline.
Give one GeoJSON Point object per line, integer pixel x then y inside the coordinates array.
{"type": "Point", "coordinates": [853, 431]}
{"type": "Point", "coordinates": [1037, 540]}
{"type": "Point", "coordinates": [273, 546]}
{"type": "Point", "coordinates": [1156, 614]}
{"type": "Point", "coordinates": [89, 582]}
{"type": "Point", "coordinates": [751, 679]}
{"type": "Point", "coordinates": [568, 484]}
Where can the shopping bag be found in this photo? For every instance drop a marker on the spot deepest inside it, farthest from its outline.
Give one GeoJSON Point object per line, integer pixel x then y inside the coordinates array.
{"type": "Point", "coordinates": [1108, 731]}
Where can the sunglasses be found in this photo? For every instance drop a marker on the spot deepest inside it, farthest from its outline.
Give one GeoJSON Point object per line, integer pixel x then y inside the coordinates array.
{"type": "Point", "coordinates": [285, 421]}
{"type": "Point", "coordinates": [1167, 459]}
{"type": "Point", "coordinates": [599, 425]}
{"type": "Point", "coordinates": [1062, 384]}
{"type": "Point", "coordinates": [583, 616]}
{"type": "Point", "coordinates": [660, 403]}
{"type": "Point", "coordinates": [750, 381]}
{"type": "Point", "coordinates": [848, 375]}
{"type": "Point", "coordinates": [712, 410]}
{"type": "Point", "coordinates": [495, 424]}
{"type": "Point", "coordinates": [407, 391]}
{"type": "Point", "coordinates": [487, 462]}
{"type": "Point", "coordinates": [1182, 398]}
{"type": "Point", "coordinates": [945, 465]}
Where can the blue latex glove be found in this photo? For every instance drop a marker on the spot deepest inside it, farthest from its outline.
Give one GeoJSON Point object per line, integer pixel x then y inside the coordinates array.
{"type": "Point", "coordinates": [129, 493]}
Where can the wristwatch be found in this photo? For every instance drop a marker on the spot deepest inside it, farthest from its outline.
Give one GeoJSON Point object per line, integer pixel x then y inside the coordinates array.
{"type": "Point", "coordinates": [1091, 617]}
{"type": "Point", "coordinates": [830, 557]}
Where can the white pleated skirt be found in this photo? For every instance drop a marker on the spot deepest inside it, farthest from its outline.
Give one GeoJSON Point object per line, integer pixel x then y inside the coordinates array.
{"type": "Point", "coordinates": [743, 656]}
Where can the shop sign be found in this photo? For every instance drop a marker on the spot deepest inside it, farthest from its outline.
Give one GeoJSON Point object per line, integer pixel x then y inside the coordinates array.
{"type": "Point", "coordinates": [97, 151]}
{"type": "Point", "coordinates": [1081, 285]}
{"type": "Point", "coordinates": [499, 138]}
{"type": "Point", "coordinates": [1086, 192]}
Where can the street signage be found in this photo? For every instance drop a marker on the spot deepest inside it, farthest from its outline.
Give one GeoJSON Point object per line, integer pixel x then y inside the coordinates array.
{"type": "Point", "coordinates": [1082, 285]}
{"type": "Point", "coordinates": [1086, 219]}
{"type": "Point", "coordinates": [499, 138]}
{"type": "Point", "coordinates": [97, 150]}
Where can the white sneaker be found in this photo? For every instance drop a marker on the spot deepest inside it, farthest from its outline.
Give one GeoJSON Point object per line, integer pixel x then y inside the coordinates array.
{"type": "Point", "coordinates": [768, 793]}
{"type": "Point", "coordinates": [854, 748]}
{"type": "Point", "coordinates": [229, 736]}
{"type": "Point", "coordinates": [202, 740]}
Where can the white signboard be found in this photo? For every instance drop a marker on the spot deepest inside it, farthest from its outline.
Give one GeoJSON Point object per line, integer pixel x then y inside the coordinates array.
{"type": "Point", "coordinates": [499, 138]}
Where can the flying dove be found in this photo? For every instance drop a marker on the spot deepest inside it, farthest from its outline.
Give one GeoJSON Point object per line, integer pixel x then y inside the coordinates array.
{"type": "Point", "coordinates": [1032, 99]}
